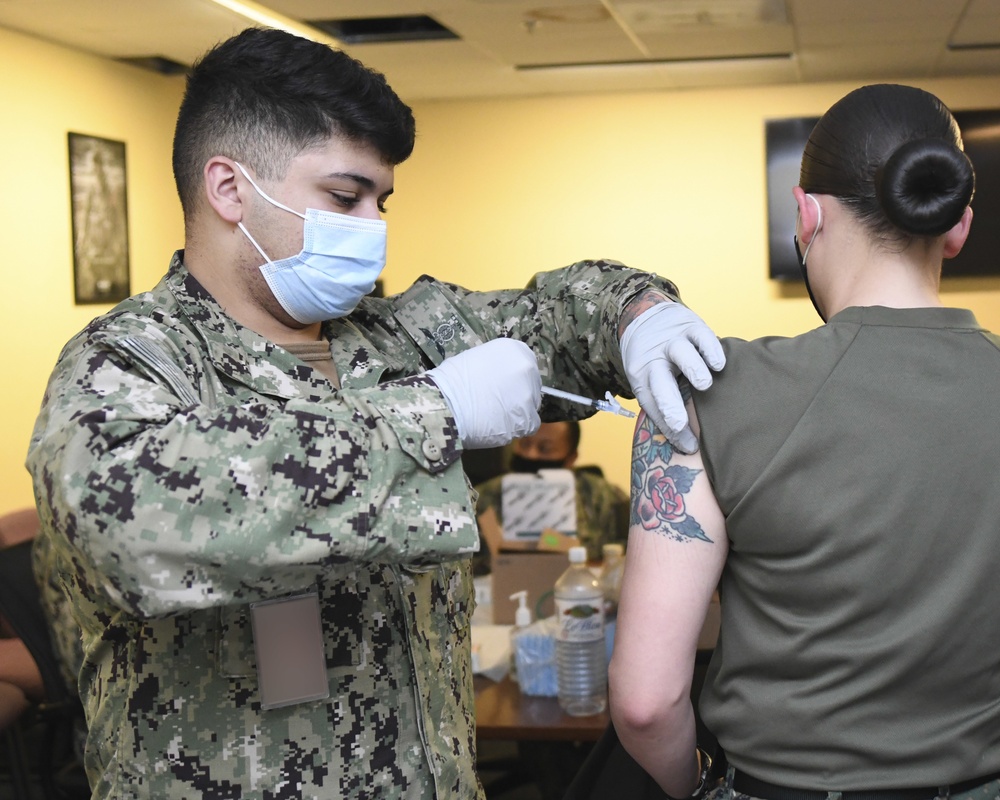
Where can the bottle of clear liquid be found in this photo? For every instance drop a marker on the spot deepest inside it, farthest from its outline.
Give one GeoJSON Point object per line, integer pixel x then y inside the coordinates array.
{"type": "Point", "coordinates": [612, 571]}
{"type": "Point", "coordinates": [522, 619]}
{"type": "Point", "coordinates": [581, 664]}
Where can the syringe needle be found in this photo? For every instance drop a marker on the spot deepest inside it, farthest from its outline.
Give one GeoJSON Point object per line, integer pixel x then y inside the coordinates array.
{"type": "Point", "coordinates": [610, 404]}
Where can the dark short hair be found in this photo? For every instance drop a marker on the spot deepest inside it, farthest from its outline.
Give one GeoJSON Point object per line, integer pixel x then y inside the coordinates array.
{"type": "Point", "coordinates": [264, 96]}
{"type": "Point", "coordinates": [574, 435]}
{"type": "Point", "coordinates": [893, 155]}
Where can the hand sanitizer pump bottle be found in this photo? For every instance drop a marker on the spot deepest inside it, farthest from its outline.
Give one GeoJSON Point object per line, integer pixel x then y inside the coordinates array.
{"type": "Point", "coordinates": [522, 619]}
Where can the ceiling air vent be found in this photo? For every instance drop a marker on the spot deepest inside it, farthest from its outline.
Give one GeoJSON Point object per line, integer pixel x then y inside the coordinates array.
{"type": "Point", "coordinates": [371, 30]}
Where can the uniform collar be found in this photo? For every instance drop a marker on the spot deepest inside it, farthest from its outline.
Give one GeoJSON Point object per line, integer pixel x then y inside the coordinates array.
{"type": "Point", "coordinates": [246, 356]}
{"type": "Point", "coordinates": [960, 318]}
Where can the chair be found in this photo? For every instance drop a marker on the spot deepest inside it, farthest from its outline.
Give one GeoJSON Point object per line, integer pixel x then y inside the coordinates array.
{"type": "Point", "coordinates": [13, 704]}
{"type": "Point", "coordinates": [18, 526]}
{"type": "Point", "coordinates": [59, 711]}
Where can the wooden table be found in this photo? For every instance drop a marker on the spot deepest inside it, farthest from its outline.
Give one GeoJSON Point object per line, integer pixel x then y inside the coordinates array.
{"type": "Point", "coordinates": [502, 712]}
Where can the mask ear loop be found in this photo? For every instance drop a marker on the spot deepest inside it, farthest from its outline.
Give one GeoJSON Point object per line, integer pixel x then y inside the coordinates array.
{"type": "Point", "coordinates": [263, 194]}
{"type": "Point", "coordinates": [819, 227]}
{"type": "Point", "coordinates": [272, 201]}
{"type": "Point", "coordinates": [803, 255]}
{"type": "Point", "coordinates": [253, 241]}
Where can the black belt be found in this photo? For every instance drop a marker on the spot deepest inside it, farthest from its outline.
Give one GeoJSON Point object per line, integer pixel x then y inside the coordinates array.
{"type": "Point", "coordinates": [747, 784]}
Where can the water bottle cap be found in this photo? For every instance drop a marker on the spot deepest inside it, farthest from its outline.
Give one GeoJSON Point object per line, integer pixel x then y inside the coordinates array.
{"type": "Point", "coordinates": [577, 555]}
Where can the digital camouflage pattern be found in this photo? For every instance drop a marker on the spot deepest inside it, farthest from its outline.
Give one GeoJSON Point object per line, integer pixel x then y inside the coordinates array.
{"type": "Point", "coordinates": [185, 467]}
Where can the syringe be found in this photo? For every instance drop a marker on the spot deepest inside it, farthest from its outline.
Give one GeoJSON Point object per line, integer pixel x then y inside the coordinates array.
{"type": "Point", "coordinates": [610, 404]}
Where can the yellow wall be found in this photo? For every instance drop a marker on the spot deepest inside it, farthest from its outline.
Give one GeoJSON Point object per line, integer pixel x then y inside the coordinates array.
{"type": "Point", "coordinates": [496, 190]}
{"type": "Point", "coordinates": [45, 92]}
{"type": "Point", "coordinates": [671, 182]}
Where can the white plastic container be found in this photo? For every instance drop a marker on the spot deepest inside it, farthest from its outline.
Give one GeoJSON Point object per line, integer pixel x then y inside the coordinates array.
{"type": "Point", "coordinates": [581, 664]}
{"type": "Point", "coordinates": [522, 619]}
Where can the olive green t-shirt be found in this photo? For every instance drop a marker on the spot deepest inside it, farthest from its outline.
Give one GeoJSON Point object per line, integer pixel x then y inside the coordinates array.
{"type": "Point", "coordinates": [858, 466]}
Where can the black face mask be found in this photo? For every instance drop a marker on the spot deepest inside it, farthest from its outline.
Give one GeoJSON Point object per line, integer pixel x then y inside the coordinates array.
{"type": "Point", "coordinates": [805, 276]}
{"type": "Point", "coordinates": [522, 464]}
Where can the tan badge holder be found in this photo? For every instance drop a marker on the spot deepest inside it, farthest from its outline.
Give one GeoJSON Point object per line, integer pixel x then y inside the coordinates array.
{"type": "Point", "coordinates": [291, 659]}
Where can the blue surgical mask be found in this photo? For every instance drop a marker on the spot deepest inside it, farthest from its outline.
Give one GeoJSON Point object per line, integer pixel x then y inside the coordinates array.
{"type": "Point", "coordinates": [340, 259]}
{"type": "Point", "coordinates": [522, 464]}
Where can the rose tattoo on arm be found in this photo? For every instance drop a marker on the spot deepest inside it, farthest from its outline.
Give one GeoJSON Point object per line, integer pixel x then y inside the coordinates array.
{"type": "Point", "coordinates": [659, 487]}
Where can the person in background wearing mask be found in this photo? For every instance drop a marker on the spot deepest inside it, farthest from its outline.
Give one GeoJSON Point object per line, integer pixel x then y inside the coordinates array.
{"type": "Point", "coordinates": [601, 507]}
{"type": "Point", "coordinates": [249, 477]}
{"type": "Point", "coordinates": [845, 492]}
{"type": "Point", "coordinates": [20, 680]}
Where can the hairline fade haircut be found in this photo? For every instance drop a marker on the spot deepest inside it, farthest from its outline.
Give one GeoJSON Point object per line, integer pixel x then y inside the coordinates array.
{"type": "Point", "coordinates": [264, 96]}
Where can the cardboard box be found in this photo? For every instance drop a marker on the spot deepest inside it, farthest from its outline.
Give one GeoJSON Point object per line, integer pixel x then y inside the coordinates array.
{"type": "Point", "coordinates": [710, 629]}
{"type": "Point", "coordinates": [536, 566]}
{"type": "Point", "coordinates": [517, 565]}
{"type": "Point", "coordinates": [534, 572]}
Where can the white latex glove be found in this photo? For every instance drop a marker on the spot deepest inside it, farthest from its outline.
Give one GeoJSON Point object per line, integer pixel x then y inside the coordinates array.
{"type": "Point", "coordinates": [662, 342]}
{"type": "Point", "coordinates": [494, 391]}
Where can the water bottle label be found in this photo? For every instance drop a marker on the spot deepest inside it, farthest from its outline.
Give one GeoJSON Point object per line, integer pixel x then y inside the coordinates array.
{"type": "Point", "coordinates": [580, 622]}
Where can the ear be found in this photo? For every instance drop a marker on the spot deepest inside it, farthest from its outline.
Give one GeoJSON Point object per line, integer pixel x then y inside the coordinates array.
{"type": "Point", "coordinates": [808, 214]}
{"type": "Point", "coordinates": [222, 189]}
{"type": "Point", "coordinates": [955, 238]}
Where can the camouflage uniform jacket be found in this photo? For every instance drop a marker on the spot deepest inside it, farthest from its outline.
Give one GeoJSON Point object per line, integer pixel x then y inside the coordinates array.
{"type": "Point", "coordinates": [602, 511]}
{"type": "Point", "coordinates": [185, 467]}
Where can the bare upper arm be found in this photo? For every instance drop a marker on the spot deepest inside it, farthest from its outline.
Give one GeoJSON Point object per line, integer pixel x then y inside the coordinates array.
{"type": "Point", "coordinates": [676, 551]}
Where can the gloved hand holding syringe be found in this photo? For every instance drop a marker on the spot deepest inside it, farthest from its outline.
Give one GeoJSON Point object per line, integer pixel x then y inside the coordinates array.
{"type": "Point", "coordinates": [494, 391]}
{"type": "Point", "coordinates": [609, 404]}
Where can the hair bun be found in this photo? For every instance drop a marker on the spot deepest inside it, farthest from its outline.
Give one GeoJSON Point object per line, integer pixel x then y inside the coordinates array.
{"type": "Point", "coordinates": [925, 186]}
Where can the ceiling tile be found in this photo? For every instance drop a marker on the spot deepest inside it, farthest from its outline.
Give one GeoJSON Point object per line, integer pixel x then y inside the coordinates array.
{"type": "Point", "coordinates": [916, 32]}
{"type": "Point", "coordinates": [969, 62]}
{"type": "Point", "coordinates": [867, 62]}
{"type": "Point", "coordinates": [860, 40]}
{"type": "Point", "coordinates": [980, 24]}
{"type": "Point", "coordinates": [813, 12]}
{"type": "Point", "coordinates": [725, 43]}
{"type": "Point", "coordinates": [529, 33]}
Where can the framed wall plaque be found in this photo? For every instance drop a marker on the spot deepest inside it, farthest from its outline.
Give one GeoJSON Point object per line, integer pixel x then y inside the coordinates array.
{"type": "Point", "coordinates": [99, 203]}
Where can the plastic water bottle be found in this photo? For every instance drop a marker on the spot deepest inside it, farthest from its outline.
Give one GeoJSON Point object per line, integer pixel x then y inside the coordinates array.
{"type": "Point", "coordinates": [581, 665]}
{"type": "Point", "coordinates": [612, 571]}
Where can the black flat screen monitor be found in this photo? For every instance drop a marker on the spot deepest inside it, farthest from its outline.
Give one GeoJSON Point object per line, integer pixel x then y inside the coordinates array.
{"type": "Point", "coordinates": [786, 138]}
